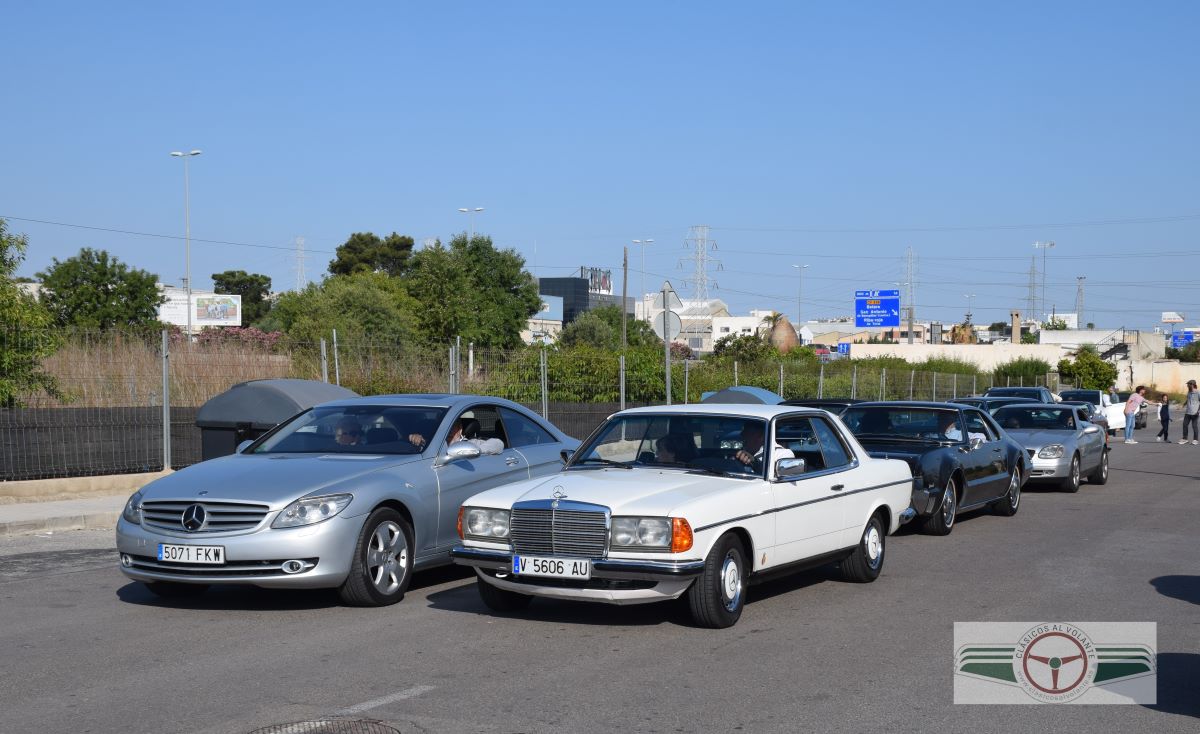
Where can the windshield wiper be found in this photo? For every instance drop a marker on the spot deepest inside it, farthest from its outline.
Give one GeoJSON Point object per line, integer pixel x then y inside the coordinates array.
{"type": "Point", "coordinates": [722, 472]}
{"type": "Point", "coordinates": [888, 437]}
{"type": "Point", "coordinates": [601, 460]}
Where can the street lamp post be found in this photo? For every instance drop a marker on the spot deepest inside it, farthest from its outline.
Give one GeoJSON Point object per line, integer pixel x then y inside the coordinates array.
{"type": "Point", "coordinates": [1045, 248]}
{"type": "Point", "coordinates": [645, 310]}
{"type": "Point", "coordinates": [187, 233]}
{"type": "Point", "coordinates": [970, 300]}
{"type": "Point", "coordinates": [799, 295]}
{"type": "Point", "coordinates": [471, 214]}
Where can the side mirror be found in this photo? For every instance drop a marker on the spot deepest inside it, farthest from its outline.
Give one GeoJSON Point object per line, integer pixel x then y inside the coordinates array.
{"type": "Point", "coordinates": [242, 446]}
{"type": "Point", "coordinates": [463, 450]}
{"type": "Point", "coordinates": [1091, 429]}
{"type": "Point", "coordinates": [976, 443]}
{"type": "Point", "coordinates": [790, 468]}
{"type": "Point", "coordinates": [566, 454]}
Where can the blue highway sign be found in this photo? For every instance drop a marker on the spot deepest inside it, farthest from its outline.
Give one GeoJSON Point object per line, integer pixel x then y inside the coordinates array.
{"type": "Point", "coordinates": [876, 308]}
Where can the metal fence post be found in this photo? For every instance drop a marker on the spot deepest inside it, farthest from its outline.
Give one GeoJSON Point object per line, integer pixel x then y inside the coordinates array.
{"type": "Point", "coordinates": [974, 390]}
{"type": "Point", "coordinates": [337, 369]}
{"type": "Point", "coordinates": [471, 360]}
{"type": "Point", "coordinates": [621, 372]}
{"type": "Point", "coordinates": [458, 364]}
{"type": "Point", "coordinates": [166, 400]}
{"type": "Point", "coordinates": [854, 382]}
{"type": "Point", "coordinates": [450, 387]}
{"type": "Point", "coordinates": [882, 381]}
{"type": "Point", "coordinates": [935, 387]}
{"type": "Point", "coordinates": [687, 369]}
{"type": "Point", "coordinates": [545, 387]}
{"type": "Point", "coordinates": [954, 393]}
{"type": "Point", "coordinates": [912, 378]}
{"type": "Point", "coordinates": [735, 373]}
{"type": "Point", "coordinates": [821, 382]}
{"type": "Point", "coordinates": [324, 362]}
{"type": "Point", "coordinates": [781, 379]}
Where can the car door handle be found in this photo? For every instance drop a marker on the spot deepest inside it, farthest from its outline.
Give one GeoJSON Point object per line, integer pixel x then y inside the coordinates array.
{"type": "Point", "coordinates": [512, 461]}
{"type": "Point", "coordinates": [838, 487]}
{"type": "Point", "coordinates": [996, 450]}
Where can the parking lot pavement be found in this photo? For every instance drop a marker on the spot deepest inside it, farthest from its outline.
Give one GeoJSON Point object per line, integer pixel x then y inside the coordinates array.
{"type": "Point", "coordinates": [86, 650]}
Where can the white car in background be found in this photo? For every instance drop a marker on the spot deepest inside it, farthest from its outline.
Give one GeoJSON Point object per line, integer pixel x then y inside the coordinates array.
{"type": "Point", "coordinates": [1114, 413]}
{"type": "Point", "coordinates": [681, 500]}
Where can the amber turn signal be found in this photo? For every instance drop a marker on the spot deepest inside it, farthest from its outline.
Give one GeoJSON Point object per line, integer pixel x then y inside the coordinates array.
{"type": "Point", "coordinates": [681, 535]}
{"type": "Point", "coordinates": [459, 525]}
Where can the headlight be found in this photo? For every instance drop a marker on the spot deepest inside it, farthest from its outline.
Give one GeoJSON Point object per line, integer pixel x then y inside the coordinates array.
{"type": "Point", "coordinates": [483, 523]}
{"type": "Point", "coordinates": [133, 509]}
{"type": "Point", "coordinates": [641, 532]}
{"type": "Point", "coordinates": [309, 510]}
{"type": "Point", "coordinates": [1053, 451]}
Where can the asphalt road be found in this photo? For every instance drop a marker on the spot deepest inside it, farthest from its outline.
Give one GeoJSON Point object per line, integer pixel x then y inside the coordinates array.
{"type": "Point", "coordinates": [85, 650]}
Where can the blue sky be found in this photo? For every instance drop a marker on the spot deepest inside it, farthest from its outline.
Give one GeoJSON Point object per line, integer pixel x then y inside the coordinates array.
{"type": "Point", "coordinates": [834, 135]}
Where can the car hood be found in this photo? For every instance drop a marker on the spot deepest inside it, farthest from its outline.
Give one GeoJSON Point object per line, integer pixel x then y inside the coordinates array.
{"type": "Point", "coordinates": [1032, 438]}
{"type": "Point", "coordinates": [274, 479]}
{"type": "Point", "coordinates": [624, 491]}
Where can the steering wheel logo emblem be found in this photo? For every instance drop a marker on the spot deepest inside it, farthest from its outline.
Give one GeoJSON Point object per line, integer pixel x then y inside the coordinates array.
{"type": "Point", "coordinates": [558, 494]}
{"type": "Point", "coordinates": [1055, 663]}
{"type": "Point", "coordinates": [193, 518]}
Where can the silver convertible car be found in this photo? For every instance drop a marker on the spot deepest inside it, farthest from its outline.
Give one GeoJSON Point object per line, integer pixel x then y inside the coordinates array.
{"type": "Point", "coordinates": [354, 494]}
{"type": "Point", "coordinates": [1062, 444]}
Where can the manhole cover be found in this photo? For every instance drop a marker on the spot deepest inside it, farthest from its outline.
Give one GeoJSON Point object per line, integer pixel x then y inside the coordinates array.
{"type": "Point", "coordinates": [329, 726]}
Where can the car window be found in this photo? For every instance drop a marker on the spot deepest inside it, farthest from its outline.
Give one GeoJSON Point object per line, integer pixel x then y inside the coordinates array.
{"type": "Point", "coordinates": [352, 429]}
{"type": "Point", "coordinates": [483, 422]}
{"type": "Point", "coordinates": [1043, 419]}
{"type": "Point", "coordinates": [835, 452]}
{"type": "Point", "coordinates": [977, 425]}
{"type": "Point", "coordinates": [694, 442]}
{"type": "Point", "coordinates": [523, 431]}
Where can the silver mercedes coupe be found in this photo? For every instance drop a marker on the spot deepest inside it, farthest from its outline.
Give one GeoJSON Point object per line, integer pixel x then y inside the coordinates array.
{"type": "Point", "coordinates": [355, 494]}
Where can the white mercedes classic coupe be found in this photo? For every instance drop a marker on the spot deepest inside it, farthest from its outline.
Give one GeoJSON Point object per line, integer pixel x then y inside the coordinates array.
{"type": "Point", "coordinates": [691, 499]}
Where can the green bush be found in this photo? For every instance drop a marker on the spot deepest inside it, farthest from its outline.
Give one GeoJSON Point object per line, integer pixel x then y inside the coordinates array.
{"type": "Point", "coordinates": [1022, 370]}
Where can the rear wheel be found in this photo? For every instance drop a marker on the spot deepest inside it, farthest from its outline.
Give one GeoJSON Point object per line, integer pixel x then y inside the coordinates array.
{"type": "Point", "coordinates": [501, 600]}
{"type": "Point", "coordinates": [1011, 501]}
{"type": "Point", "coordinates": [941, 522]}
{"type": "Point", "coordinates": [1071, 483]}
{"type": "Point", "coordinates": [717, 596]}
{"type": "Point", "coordinates": [382, 565]}
{"type": "Point", "coordinates": [865, 563]}
{"type": "Point", "coordinates": [1100, 476]}
{"type": "Point", "coordinates": [175, 590]}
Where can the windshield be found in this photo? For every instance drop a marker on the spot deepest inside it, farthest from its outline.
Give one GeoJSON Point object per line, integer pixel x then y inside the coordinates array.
{"type": "Point", "coordinates": [1039, 419]}
{"type": "Point", "coordinates": [904, 423]}
{"type": "Point", "coordinates": [710, 443]}
{"type": "Point", "coordinates": [1015, 392]}
{"type": "Point", "coordinates": [1088, 396]}
{"type": "Point", "coordinates": [355, 429]}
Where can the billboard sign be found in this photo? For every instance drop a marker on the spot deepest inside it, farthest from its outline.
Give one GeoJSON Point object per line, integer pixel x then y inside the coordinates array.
{"type": "Point", "coordinates": [208, 309]}
{"type": "Point", "coordinates": [876, 308]}
{"type": "Point", "coordinates": [1172, 317]}
{"type": "Point", "coordinates": [599, 281]}
{"type": "Point", "coordinates": [1180, 339]}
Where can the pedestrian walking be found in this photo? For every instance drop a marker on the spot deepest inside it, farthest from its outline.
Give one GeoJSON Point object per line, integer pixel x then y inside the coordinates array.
{"type": "Point", "coordinates": [1191, 411]}
{"type": "Point", "coordinates": [1131, 408]}
{"type": "Point", "coordinates": [1164, 419]}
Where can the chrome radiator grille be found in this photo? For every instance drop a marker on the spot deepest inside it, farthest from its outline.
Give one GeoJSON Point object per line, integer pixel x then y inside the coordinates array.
{"type": "Point", "coordinates": [219, 516]}
{"type": "Point", "coordinates": [559, 532]}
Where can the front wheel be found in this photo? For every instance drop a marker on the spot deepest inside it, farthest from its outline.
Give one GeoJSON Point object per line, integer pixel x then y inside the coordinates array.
{"type": "Point", "coordinates": [1100, 476]}
{"type": "Point", "coordinates": [1071, 483]}
{"type": "Point", "coordinates": [941, 522]}
{"type": "Point", "coordinates": [1007, 505]}
{"type": "Point", "coordinates": [382, 565]}
{"type": "Point", "coordinates": [865, 563]}
{"type": "Point", "coordinates": [717, 596]}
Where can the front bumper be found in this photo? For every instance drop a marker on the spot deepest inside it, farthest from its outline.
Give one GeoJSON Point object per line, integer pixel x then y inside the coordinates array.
{"type": "Point", "coordinates": [253, 558]}
{"type": "Point", "coordinates": [926, 500]}
{"type": "Point", "coordinates": [614, 580]}
{"type": "Point", "coordinates": [1049, 469]}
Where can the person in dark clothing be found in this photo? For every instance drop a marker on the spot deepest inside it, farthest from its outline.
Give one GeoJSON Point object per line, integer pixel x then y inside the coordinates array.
{"type": "Point", "coordinates": [1164, 418]}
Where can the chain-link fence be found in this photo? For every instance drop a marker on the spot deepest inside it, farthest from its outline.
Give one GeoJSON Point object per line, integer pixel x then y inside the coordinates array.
{"type": "Point", "coordinates": [97, 407]}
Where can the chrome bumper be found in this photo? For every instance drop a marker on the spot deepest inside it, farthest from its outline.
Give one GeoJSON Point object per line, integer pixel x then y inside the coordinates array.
{"type": "Point", "coordinates": [605, 568]}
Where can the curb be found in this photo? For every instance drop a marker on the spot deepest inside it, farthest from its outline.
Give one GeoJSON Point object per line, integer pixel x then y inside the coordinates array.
{"type": "Point", "coordinates": [82, 521]}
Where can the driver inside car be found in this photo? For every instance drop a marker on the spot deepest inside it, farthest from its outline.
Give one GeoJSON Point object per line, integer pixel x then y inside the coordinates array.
{"type": "Point", "coordinates": [751, 453]}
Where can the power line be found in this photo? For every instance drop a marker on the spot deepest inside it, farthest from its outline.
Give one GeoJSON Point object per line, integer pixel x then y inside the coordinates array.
{"type": "Point", "coordinates": [289, 248]}
{"type": "Point", "coordinates": [969, 227]}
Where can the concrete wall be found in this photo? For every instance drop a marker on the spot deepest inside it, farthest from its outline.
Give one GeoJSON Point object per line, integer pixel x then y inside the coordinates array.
{"type": "Point", "coordinates": [987, 356]}
{"type": "Point", "coordinates": [1168, 375]}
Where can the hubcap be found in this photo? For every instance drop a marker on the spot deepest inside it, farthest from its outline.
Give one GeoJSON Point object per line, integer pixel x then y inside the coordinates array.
{"type": "Point", "coordinates": [1104, 467]}
{"type": "Point", "coordinates": [387, 557]}
{"type": "Point", "coordinates": [1074, 471]}
{"type": "Point", "coordinates": [948, 505]}
{"type": "Point", "coordinates": [873, 543]}
{"type": "Point", "coordinates": [731, 583]}
{"type": "Point", "coordinates": [1014, 490]}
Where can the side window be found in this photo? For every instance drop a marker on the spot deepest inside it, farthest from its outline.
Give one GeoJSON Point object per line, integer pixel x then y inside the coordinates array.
{"type": "Point", "coordinates": [483, 421]}
{"type": "Point", "coordinates": [523, 431]}
{"type": "Point", "coordinates": [796, 435]}
{"type": "Point", "coordinates": [978, 425]}
{"type": "Point", "coordinates": [835, 452]}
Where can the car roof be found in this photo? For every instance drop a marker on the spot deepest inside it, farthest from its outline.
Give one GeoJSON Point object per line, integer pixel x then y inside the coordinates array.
{"type": "Point", "coordinates": [748, 410]}
{"type": "Point", "coordinates": [1038, 405]}
{"type": "Point", "coordinates": [911, 404]}
{"type": "Point", "coordinates": [421, 400]}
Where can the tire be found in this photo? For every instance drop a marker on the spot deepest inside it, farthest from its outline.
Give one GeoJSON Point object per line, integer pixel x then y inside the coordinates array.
{"type": "Point", "coordinates": [865, 563]}
{"type": "Point", "coordinates": [501, 600]}
{"type": "Point", "coordinates": [1071, 483]}
{"type": "Point", "coordinates": [942, 521]}
{"type": "Point", "coordinates": [1008, 505]}
{"type": "Point", "coordinates": [1100, 476]}
{"type": "Point", "coordinates": [175, 590]}
{"type": "Point", "coordinates": [717, 597]}
{"type": "Point", "coordinates": [382, 566]}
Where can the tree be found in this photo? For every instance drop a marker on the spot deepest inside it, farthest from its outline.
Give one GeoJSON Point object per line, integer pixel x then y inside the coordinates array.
{"type": "Point", "coordinates": [1055, 325]}
{"type": "Point", "coordinates": [744, 348]}
{"type": "Point", "coordinates": [252, 287]}
{"type": "Point", "coordinates": [366, 252]}
{"type": "Point", "coordinates": [97, 291]}
{"type": "Point", "coordinates": [1024, 370]}
{"type": "Point", "coordinates": [363, 306]}
{"type": "Point", "coordinates": [27, 338]}
{"type": "Point", "coordinates": [503, 294]}
{"type": "Point", "coordinates": [586, 329]}
{"type": "Point", "coordinates": [440, 283]}
{"type": "Point", "coordinates": [1088, 371]}
{"type": "Point", "coordinates": [1028, 337]}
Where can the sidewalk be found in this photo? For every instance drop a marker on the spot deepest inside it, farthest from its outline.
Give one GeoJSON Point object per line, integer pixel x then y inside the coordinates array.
{"type": "Point", "coordinates": [33, 517]}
